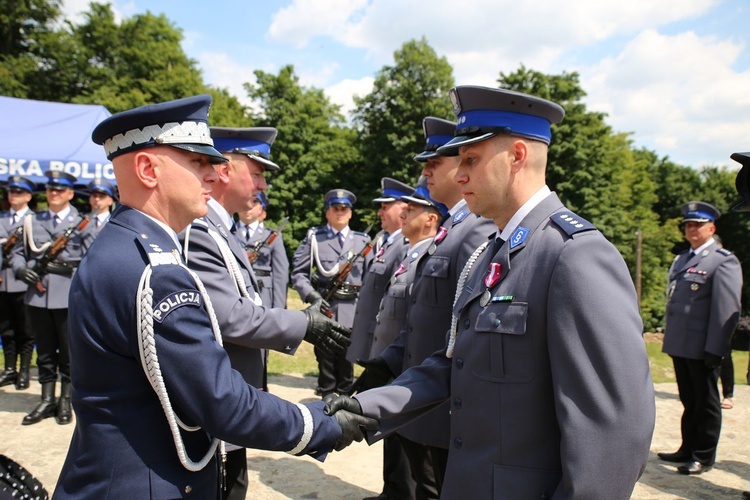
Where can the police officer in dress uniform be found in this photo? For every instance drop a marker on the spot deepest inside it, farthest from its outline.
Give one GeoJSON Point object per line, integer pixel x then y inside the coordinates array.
{"type": "Point", "coordinates": [18, 338]}
{"type": "Point", "coordinates": [102, 195]}
{"type": "Point", "coordinates": [47, 294]}
{"type": "Point", "coordinates": [218, 258]}
{"type": "Point", "coordinates": [429, 314]}
{"type": "Point", "coordinates": [742, 183]}
{"type": "Point", "coordinates": [154, 388]}
{"type": "Point", "coordinates": [315, 265]}
{"type": "Point", "coordinates": [272, 265]}
{"type": "Point", "coordinates": [548, 383]}
{"type": "Point", "coordinates": [703, 308]}
{"type": "Point", "coordinates": [390, 248]}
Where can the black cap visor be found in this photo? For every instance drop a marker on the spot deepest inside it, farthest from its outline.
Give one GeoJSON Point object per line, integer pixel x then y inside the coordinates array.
{"type": "Point", "coordinates": [213, 156]}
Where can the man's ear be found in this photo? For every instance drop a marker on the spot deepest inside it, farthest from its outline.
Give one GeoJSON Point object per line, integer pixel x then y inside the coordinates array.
{"type": "Point", "coordinates": [146, 168]}
{"type": "Point", "coordinates": [222, 171]}
{"type": "Point", "coordinates": [519, 151]}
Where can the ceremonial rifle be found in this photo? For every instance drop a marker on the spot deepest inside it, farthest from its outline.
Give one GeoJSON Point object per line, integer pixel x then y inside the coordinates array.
{"type": "Point", "coordinates": [41, 267]}
{"type": "Point", "coordinates": [338, 280]}
{"type": "Point", "coordinates": [254, 252]}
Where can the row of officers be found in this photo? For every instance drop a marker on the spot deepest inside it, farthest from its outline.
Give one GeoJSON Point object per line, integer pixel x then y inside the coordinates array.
{"type": "Point", "coordinates": [495, 362]}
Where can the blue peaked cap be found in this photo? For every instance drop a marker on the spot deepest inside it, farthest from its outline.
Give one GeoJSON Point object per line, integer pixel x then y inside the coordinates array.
{"type": "Point", "coordinates": [339, 197]}
{"type": "Point", "coordinates": [59, 180]}
{"type": "Point", "coordinates": [422, 197]}
{"type": "Point", "coordinates": [19, 182]}
{"type": "Point", "coordinates": [699, 211]}
{"type": "Point", "coordinates": [437, 132]}
{"type": "Point", "coordinates": [255, 142]}
{"type": "Point", "coordinates": [392, 190]}
{"type": "Point", "coordinates": [483, 112]}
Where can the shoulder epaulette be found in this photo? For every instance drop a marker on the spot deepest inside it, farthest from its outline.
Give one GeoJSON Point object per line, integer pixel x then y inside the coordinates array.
{"type": "Point", "coordinates": [571, 223]}
{"type": "Point", "coordinates": [320, 229]}
{"type": "Point", "coordinates": [200, 222]}
{"type": "Point", "coordinates": [724, 251]}
{"type": "Point", "coordinates": [360, 233]}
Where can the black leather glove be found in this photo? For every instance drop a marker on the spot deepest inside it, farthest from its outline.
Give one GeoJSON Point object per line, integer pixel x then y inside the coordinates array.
{"type": "Point", "coordinates": [376, 374]}
{"type": "Point", "coordinates": [711, 361]}
{"type": "Point", "coordinates": [59, 269]}
{"type": "Point", "coordinates": [317, 302]}
{"type": "Point", "coordinates": [28, 276]}
{"type": "Point", "coordinates": [326, 334]}
{"type": "Point", "coordinates": [348, 413]}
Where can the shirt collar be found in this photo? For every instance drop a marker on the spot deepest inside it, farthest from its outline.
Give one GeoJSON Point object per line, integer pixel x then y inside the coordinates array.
{"type": "Point", "coordinates": [344, 231]}
{"type": "Point", "coordinates": [20, 213]}
{"type": "Point", "coordinates": [253, 226]}
{"type": "Point", "coordinates": [458, 206]}
{"type": "Point", "coordinates": [168, 230]}
{"type": "Point", "coordinates": [226, 217]}
{"type": "Point", "coordinates": [704, 246]}
{"type": "Point", "coordinates": [522, 212]}
{"type": "Point", "coordinates": [420, 243]}
{"type": "Point", "coordinates": [62, 214]}
{"type": "Point", "coordinates": [392, 236]}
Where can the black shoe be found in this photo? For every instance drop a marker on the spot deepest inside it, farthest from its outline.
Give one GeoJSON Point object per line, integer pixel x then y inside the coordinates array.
{"type": "Point", "coordinates": [43, 410]}
{"type": "Point", "coordinates": [8, 377]}
{"type": "Point", "coordinates": [677, 457]}
{"type": "Point", "coordinates": [693, 468]}
{"type": "Point", "coordinates": [22, 381]}
{"type": "Point", "coordinates": [64, 414]}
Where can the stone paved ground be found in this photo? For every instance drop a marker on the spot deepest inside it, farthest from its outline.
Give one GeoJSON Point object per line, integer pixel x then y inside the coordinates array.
{"type": "Point", "coordinates": [355, 472]}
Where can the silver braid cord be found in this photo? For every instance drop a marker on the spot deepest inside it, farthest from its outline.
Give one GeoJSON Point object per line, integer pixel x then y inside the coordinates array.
{"type": "Point", "coordinates": [314, 257]}
{"type": "Point", "coordinates": [230, 262]}
{"type": "Point", "coordinates": [28, 236]}
{"type": "Point", "coordinates": [459, 290]}
{"type": "Point", "coordinates": [150, 363]}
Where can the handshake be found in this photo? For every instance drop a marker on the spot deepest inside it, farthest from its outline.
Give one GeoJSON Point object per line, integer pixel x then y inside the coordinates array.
{"type": "Point", "coordinates": [348, 414]}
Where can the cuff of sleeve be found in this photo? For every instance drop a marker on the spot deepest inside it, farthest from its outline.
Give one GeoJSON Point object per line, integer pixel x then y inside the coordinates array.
{"type": "Point", "coordinates": [307, 430]}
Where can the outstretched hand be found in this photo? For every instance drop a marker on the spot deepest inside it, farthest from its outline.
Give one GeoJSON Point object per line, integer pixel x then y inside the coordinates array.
{"type": "Point", "coordinates": [348, 413]}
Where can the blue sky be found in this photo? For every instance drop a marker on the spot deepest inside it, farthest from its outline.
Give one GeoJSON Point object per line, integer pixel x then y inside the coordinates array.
{"type": "Point", "coordinates": [674, 73]}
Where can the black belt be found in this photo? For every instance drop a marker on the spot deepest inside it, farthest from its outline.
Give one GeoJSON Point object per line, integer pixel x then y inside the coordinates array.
{"type": "Point", "coordinates": [262, 274]}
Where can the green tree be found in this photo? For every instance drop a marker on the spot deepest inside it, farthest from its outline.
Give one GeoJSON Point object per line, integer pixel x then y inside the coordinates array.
{"type": "Point", "coordinates": [389, 118]}
{"type": "Point", "coordinates": [315, 150]}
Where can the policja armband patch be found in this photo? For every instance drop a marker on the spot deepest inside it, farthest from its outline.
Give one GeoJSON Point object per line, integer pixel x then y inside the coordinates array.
{"type": "Point", "coordinates": [175, 301]}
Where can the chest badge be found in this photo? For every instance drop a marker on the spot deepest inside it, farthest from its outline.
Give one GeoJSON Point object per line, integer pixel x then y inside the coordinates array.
{"type": "Point", "coordinates": [440, 236]}
{"type": "Point", "coordinates": [490, 280]}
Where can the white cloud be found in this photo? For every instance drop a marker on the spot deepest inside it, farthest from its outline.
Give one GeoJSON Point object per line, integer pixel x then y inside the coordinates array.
{"type": "Point", "coordinates": [73, 10]}
{"type": "Point", "coordinates": [341, 93]}
{"type": "Point", "coordinates": [297, 23]}
{"type": "Point", "coordinates": [222, 71]}
{"type": "Point", "coordinates": [678, 94]}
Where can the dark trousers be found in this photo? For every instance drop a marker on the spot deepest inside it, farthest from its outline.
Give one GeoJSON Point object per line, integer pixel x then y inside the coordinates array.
{"type": "Point", "coordinates": [727, 376]}
{"type": "Point", "coordinates": [335, 373]}
{"type": "Point", "coordinates": [425, 462]}
{"type": "Point", "coordinates": [236, 468]}
{"type": "Point", "coordinates": [51, 328]}
{"type": "Point", "coordinates": [18, 339]}
{"type": "Point", "coordinates": [398, 482]}
{"type": "Point", "coordinates": [701, 418]}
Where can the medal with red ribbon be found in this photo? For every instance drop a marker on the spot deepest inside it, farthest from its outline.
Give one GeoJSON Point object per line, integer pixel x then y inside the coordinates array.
{"type": "Point", "coordinates": [442, 231]}
{"type": "Point", "coordinates": [490, 280]}
{"type": "Point", "coordinates": [401, 269]}
{"type": "Point", "coordinates": [380, 252]}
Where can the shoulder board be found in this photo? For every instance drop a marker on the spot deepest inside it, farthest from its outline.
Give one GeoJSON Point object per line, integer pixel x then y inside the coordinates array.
{"type": "Point", "coordinates": [320, 230]}
{"type": "Point", "coordinates": [360, 233]}
{"type": "Point", "coordinates": [571, 223]}
{"type": "Point", "coordinates": [200, 222]}
{"type": "Point", "coordinates": [724, 251]}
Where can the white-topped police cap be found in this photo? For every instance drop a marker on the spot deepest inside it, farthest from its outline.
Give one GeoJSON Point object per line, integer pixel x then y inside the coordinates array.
{"type": "Point", "coordinates": [392, 190]}
{"type": "Point", "coordinates": [340, 197]}
{"type": "Point", "coordinates": [437, 132]}
{"type": "Point", "coordinates": [742, 181]}
{"type": "Point", "coordinates": [57, 179]}
{"type": "Point", "coordinates": [699, 211]}
{"type": "Point", "coordinates": [254, 142]}
{"type": "Point", "coordinates": [483, 112]}
{"type": "Point", "coordinates": [20, 182]}
{"type": "Point", "coordinates": [421, 196]}
{"type": "Point", "coordinates": [181, 124]}
{"type": "Point", "coordinates": [99, 185]}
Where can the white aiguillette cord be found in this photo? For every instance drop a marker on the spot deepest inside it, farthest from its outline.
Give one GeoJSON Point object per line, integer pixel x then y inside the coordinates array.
{"type": "Point", "coordinates": [459, 290]}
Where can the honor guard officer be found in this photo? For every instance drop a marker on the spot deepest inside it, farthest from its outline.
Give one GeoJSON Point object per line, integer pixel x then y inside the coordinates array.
{"type": "Point", "coordinates": [154, 388]}
{"type": "Point", "coordinates": [220, 261]}
{"type": "Point", "coordinates": [271, 266]}
{"type": "Point", "coordinates": [47, 295]}
{"type": "Point", "coordinates": [317, 262]}
{"type": "Point", "coordinates": [102, 195]}
{"type": "Point", "coordinates": [545, 370]}
{"type": "Point", "coordinates": [387, 256]}
{"type": "Point", "coordinates": [429, 316]}
{"type": "Point", "coordinates": [18, 339]}
{"type": "Point", "coordinates": [703, 308]}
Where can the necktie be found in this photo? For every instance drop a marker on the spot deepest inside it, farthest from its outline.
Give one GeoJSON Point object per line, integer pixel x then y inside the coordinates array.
{"type": "Point", "coordinates": [15, 219]}
{"type": "Point", "coordinates": [341, 240]}
{"type": "Point", "coordinates": [55, 221]}
{"type": "Point", "coordinates": [249, 232]}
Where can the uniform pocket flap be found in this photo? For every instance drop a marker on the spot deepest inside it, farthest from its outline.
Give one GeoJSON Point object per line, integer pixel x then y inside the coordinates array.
{"type": "Point", "coordinates": [437, 266]}
{"type": "Point", "coordinates": [503, 317]}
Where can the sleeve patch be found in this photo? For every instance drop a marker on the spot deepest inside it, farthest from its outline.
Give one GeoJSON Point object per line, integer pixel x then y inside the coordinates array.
{"type": "Point", "coordinates": [175, 301]}
{"type": "Point", "coordinates": [571, 223]}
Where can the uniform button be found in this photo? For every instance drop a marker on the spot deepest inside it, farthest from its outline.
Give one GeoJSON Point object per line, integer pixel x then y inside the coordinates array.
{"type": "Point", "coordinates": [497, 322]}
{"type": "Point", "coordinates": [188, 489]}
{"type": "Point", "coordinates": [458, 443]}
{"type": "Point", "coordinates": [457, 403]}
{"type": "Point", "coordinates": [459, 363]}
{"type": "Point", "coordinates": [467, 324]}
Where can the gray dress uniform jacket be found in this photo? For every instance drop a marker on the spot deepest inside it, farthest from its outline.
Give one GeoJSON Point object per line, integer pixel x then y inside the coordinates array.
{"type": "Point", "coordinates": [44, 230]}
{"type": "Point", "coordinates": [703, 306]}
{"type": "Point", "coordinates": [330, 254]}
{"type": "Point", "coordinates": [429, 314]}
{"type": "Point", "coordinates": [393, 308]}
{"type": "Point", "coordinates": [246, 328]}
{"type": "Point", "coordinates": [10, 283]}
{"type": "Point", "coordinates": [92, 230]}
{"type": "Point", "coordinates": [384, 263]}
{"type": "Point", "coordinates": [271, 267]}
{"type": "Point", "coordinates": [549, 383]}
